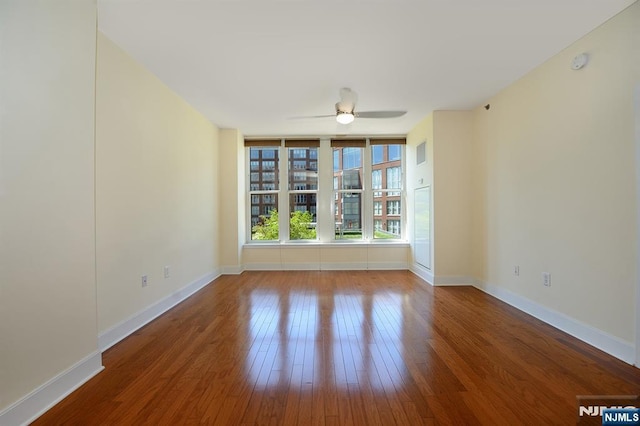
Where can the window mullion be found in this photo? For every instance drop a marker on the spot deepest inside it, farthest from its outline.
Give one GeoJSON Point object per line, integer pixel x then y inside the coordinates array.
{"type": "Point", "coordinates": [325, 192]}
{"type": "Point", "coordinates": [367, 195]}
{"type": "Point", "coordinates": [283, 200]}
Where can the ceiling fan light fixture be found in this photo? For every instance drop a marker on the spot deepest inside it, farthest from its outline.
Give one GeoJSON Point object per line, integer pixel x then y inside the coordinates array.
{"type": "Point", "coordinates": [344, 117]}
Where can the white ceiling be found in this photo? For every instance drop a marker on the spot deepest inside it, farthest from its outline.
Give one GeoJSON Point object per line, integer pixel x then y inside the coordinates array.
{"type": "Point", "coordinates": [252, 65]}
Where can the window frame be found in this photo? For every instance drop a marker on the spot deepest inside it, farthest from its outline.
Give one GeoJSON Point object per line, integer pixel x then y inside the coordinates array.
{"type": "Point", "coordinates": [293, 154]}
{"type": "Point", "coordinates": [325, 193]}
{"type": "Point", "coordinates": [262, 192]}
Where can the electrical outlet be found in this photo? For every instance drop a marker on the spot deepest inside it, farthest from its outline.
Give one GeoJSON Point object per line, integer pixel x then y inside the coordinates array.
{"type": "Point", "coordinates": [516, 271]}
{"type": "Point", "coordinates": [167, 272]}
{"type": "Point", "coordinates": [546, 279]}
{"type": "Point", "coordinates": [144, 281]}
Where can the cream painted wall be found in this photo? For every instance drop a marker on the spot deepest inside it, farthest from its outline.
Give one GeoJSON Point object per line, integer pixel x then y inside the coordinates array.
{"type": "Point", "coordinates": [448, 170]}
{"type": "Point", "coordinates": [156, 183]}
{"type": "Point", "coordinates": [391, 256]}
{"type": "Point", "coordinates": [230, 180]}
{"type": "Point", "coordinates": [556, 163]}
{"type": "Point", "coordinates": [637, 120]}
{"type": "Point", "coordinates": [418, 176]}
{"type": "Point", "coordinates": [479, 249]}
{"type": "Point", "coordinates": [47, 243]}
{"type": "Point", "coordinates": [452, 195]}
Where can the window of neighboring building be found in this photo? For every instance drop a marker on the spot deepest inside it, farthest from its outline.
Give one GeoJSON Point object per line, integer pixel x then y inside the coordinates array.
{"type": "Point", "coordinates": [376, 182]}
{"type": "Point", "coordinates": [393, 207]}
{"type": "Point", "coordinates": [394, 178]}
{"type": "Point", "coordinates": [393, 227]}
{"type": "Point", "coordinates": [377, 208]}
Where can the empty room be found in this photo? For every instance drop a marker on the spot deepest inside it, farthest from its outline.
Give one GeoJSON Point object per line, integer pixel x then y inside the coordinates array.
{"type": "Point", "coordinates": [327, 213]}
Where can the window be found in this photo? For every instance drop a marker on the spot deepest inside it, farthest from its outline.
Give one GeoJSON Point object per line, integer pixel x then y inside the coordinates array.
{"type": "Point", "coordinates": [394, 178]}
{"type": "Point", "coordinates": [393, 207]}
{"type": "Point", "coordinates": [348, 188]}
{"type": "Point", "coordinates": [268, 165]}
{"type": "Point", "coordinates": [377, 154]}
{"type": "Point", "coordinates": [263, 189]}
{"type": "Point", "coordinates": [349, 216]}
{"type": "Point", "coordinates": [393, 227]}
{"type": "Point", "coordinates": [284, 189]}
{"type": "Point", "coordinates": [385, 153]}
{"type": "Point", "coordinates": [269, 153]}
{"type": "Point", "coordinates": [268, 177]}
{"type": "Point", "coordinates": [395, 152]}
{"type": "Point", "coordinates": [386, 184]}
{"type": "Point", "coordinates": [298, 153]}
{"type": "Point", "coordinates": [377, 208]}
{"type": "Point", "coordinates": [303, 188]}
{"type": "Point", "coordinates": [351, 158]}
{"type": "Point", "coordinates": [376, 182]}
{"type": "Point", "coordinates": [351, 179]}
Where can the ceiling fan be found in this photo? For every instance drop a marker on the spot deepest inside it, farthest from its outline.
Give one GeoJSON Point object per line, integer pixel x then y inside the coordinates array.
{"type": "Point", "coordinates": [346, 113]}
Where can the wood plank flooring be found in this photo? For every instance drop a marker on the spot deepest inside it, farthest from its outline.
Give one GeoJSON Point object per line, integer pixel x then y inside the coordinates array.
{"type": "Point", "coordinates": [343, 348]}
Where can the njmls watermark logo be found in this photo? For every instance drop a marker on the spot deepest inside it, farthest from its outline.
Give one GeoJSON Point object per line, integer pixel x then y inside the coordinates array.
{"type": "Point", "coordinates": [609, 410]}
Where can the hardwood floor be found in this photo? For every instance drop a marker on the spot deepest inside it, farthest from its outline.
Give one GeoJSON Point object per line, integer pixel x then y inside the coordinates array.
{"type": "Point", "coordinates": [343, 348]}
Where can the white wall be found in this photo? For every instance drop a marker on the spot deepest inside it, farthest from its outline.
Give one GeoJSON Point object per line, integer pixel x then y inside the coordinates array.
{"type": "Point", "coordinates": [47, 243]}
{"type": "Point", "coordinates": [157, 195]}
{"type": "Point", "coordinates": [556, 185]}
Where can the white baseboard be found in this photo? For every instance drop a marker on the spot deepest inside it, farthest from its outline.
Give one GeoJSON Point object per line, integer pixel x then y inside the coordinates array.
{"type": "Point", "coordinates": [36, 403]}
{"type": "Point", "coordinates": [602, 340]}
{"type": "Point", "coordinates": [118, 332]}
{"type": "Point", "coordinates": [439, 280]}
{"type": "Point", "coordinates": [232, 270]}
{"type": "Point", "coordinates": [422, 272]}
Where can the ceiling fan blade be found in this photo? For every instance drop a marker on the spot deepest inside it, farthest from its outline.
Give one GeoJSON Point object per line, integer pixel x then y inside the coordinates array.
{"type": "Point", "coordinates": [302, 117]}
{"type": "Point", "coordinates": [380, 114]}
